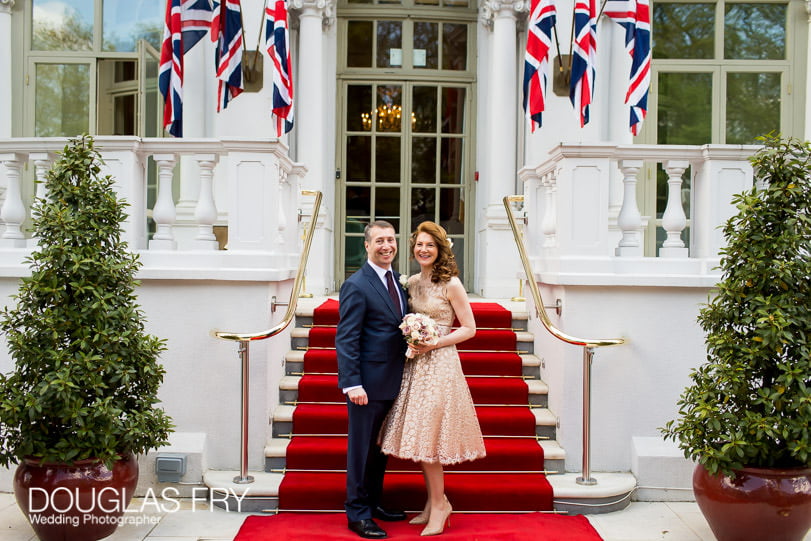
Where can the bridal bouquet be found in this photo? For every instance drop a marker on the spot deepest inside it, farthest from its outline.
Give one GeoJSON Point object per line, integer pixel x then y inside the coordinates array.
{"type": "Point", "coordinates": [419, 329]}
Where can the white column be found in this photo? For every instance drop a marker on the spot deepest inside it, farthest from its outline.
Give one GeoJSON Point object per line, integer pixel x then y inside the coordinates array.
{"type": "Point", "coordinates": [674, 220]}
{"type": "Point", "coordinates": [313, 132]}
{"type": "Point", "coordinates": [42, 164]}
{"type": "Point", "coordinates": [5, 68]}
{"type": "Point", "coordinates": [496, 248]}
{"type": "Point", "coordinates": [164, 212]}
{"type": "Point", "coordinates": [549, 225]}
{"type": "Point", "coordinates": [12, 213]}
{"type": "Point", "coordinates": [206, 210]}
{"type": "Point", "coordinates": [629, 219]}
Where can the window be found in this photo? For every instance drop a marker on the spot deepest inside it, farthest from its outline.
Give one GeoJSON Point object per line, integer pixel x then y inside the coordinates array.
{"type": "Point", "coordinates": [87, 63]}
{"type": "Point", "coordinates": [721, 73]}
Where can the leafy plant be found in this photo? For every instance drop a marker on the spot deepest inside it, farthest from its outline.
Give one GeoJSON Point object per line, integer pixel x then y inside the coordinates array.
{"type": "Point", "coordinates": [750, 404]}
{"type": "Point", "coordinates": [86, 374]}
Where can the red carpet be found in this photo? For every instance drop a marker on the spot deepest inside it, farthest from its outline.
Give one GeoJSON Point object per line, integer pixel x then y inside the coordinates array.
{"type": "Point", "coordinates": [510, 478]}
{"type": "Point", "coordinates": [464, 527]}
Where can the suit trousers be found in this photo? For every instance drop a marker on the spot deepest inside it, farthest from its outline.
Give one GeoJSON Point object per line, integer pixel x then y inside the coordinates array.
{"type": "Point", "coordinates": [365, 464]}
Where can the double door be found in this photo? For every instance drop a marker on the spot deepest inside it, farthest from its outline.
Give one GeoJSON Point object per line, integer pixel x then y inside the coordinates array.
{"type": "Point", "coordinates": [404, 156]}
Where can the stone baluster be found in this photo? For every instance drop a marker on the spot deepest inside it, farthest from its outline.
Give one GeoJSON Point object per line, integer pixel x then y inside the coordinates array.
{"type": "Point", "coordinates": [282, 202]}
{"type": "Point", "coordinates": [205, 213]}
{"type": "Point", "coordinates": [12, 213]}
{"type": "Point", "coordinates": [674, 220]}
{"type": "Point", "coordinates": [629, 219]}
{"type": "Point", "coordinates": [164, 212]}
{"type": "Point", "coordinates": [42, 164]}
{"type": "Point", "coordinates": [549, 224]}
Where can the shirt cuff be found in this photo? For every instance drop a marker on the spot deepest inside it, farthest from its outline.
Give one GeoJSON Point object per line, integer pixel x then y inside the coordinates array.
{"type": "Point", "coordinates": [347, 389]}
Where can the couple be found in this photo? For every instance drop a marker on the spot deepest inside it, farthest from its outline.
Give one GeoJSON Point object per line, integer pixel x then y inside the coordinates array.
{"type": "Point", "coordinates": [418, 409]}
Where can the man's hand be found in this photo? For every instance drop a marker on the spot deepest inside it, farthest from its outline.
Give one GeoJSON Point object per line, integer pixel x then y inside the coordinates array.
{"type": "Point", "coordinates": [358, 396]}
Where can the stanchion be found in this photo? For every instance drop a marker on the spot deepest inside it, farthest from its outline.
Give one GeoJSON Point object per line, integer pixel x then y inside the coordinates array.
{"type": "Point", "coordinates": [243, 478]}
{"type": "Point", "coordinates": [520, 297]}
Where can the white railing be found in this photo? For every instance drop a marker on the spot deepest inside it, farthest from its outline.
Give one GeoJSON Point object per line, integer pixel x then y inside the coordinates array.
{"type": "Point", "coordinates": [583, 215]}
{"type": "Point", "coordinates": [246, 190]}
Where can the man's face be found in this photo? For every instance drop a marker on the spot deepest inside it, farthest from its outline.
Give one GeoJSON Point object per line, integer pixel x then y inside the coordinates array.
{"type": "Point", "coordinates": [382, 248]}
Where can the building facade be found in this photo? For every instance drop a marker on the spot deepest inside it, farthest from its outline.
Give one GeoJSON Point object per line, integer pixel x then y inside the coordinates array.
{"type": "Point", "coordinates": [408, 110]}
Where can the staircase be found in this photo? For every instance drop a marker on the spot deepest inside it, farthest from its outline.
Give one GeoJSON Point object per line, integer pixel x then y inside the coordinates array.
{"type": "Point", "coordinates": [306, 457]}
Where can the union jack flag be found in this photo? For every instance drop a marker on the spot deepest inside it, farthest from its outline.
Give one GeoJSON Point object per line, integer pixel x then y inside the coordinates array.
{"type": "Point", "coordinates": [170, 74]}
{"type": "Point", "coordinates": [228, 56]}
{"type": "Point", "coordinates": [634, 17]}
{"type": "Point", "coordinates": [584, 53]}
{"type": "Point", "coordinates": [197, 16]}
{"type": "Point", "coordinates": [542, 18]}
{"type": "Point", "coordinates": [277, 40]}
{"type": "Point", "coordinates": [186, 22]}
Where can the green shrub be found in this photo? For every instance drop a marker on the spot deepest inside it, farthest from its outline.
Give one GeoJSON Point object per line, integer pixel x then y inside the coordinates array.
{"type": "Point", "coordinates": [86, 375]}
{"type": "Point", "coordinates": [750, 404]}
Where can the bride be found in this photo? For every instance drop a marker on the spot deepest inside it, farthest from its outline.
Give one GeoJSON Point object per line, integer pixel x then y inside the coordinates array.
{"type": "Point", "coordinates": [433, 420]}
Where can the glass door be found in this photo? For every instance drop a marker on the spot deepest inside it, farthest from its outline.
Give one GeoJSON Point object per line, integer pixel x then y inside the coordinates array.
{"type": "Point", "coordinates": [405, 154]}
{"type": "Point", "coordinates": [405, 139]}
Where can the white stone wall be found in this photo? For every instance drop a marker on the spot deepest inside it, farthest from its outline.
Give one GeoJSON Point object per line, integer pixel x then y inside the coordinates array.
{"type": "Point", "coordinates": [202, 385]}
{"type": "Point", "coordinates": [635, 386]}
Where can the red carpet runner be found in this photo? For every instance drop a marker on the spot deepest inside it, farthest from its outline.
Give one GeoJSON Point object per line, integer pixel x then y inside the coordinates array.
{"type": "Point", "coordinates": [332, 526]}
{"type": "Point", "coordinates": [510, 478]}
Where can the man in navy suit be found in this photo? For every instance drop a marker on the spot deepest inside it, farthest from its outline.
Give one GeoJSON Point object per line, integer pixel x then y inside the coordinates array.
{"type": "Point", "coordinates": [371, 353]}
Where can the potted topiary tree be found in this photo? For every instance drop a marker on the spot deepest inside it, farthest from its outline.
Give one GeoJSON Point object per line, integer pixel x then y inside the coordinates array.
{"type": "Point", "coordinates": [745, 418]}
{"type": "Point", "coordinates": [82, 397]}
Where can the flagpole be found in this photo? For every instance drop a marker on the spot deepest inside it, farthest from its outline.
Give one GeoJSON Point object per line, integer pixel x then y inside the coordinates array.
{"type": "Point", "coordinates": [259, 37]}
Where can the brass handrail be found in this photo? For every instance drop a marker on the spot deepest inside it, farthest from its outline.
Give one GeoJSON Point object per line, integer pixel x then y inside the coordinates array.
{"type": "Point", "coordinates": [245, 339]}
{"type": "Point", "coordinates": [588, 344]}
{"type": "Point", "coordinates": [536, 294]}
{"type": "Point", "coordinates": [294, 294]}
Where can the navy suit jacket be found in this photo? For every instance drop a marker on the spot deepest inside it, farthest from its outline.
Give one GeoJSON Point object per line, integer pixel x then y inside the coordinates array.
{"type": "Point", "coordinates": [369, 342]}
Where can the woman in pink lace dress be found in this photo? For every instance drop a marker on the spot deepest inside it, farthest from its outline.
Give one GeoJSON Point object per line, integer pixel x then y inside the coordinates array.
{"type": "Point", "coordinates": [433, 420]}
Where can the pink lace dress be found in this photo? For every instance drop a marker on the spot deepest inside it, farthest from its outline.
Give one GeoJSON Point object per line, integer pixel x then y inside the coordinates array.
{"type": "Point", "coordinates": [433, 418]}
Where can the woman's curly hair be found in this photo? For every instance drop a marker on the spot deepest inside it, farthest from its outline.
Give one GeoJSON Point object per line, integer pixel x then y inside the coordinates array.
{"type": "Point", "coordinates": [445, 264]}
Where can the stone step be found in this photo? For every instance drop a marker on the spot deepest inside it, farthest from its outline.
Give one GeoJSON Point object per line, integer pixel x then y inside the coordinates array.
{"type": "Point", "coordinates": [531, 363]}
{"type": "Point", "coordinates": [288, 390]}
{"type": "Point", "coordinates": [545, 422]}
{"type": "Point", "coordinates": [276, 456]}
{"type": "Point", "coordinates": [525, 341]}
{"type": "Point", "coordinates": [611, 492]}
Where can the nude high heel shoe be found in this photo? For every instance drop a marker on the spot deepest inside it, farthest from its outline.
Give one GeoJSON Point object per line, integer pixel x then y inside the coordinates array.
{"type": "Point", "coordinates": [446, 519]}
{"type": "Point", "coordinates": [422, 518]}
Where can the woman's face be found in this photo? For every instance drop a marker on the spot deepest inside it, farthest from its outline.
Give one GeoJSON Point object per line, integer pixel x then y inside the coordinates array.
{"type": "Point", "coordinates": [425, 250]}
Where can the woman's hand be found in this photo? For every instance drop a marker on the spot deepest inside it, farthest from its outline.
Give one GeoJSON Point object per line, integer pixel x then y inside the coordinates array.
{"type": "Point", "coordinates": [422, 348]}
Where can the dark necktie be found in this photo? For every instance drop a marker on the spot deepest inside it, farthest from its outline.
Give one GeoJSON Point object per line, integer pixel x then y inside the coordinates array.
{"type": "Point", "coordinates": [395, 297]}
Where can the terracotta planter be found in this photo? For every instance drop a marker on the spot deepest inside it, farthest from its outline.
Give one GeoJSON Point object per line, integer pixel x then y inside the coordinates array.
{"type": "Point", "coordinates": [758, 504]}
{"type": "Point", "coordinates": [80, 502]}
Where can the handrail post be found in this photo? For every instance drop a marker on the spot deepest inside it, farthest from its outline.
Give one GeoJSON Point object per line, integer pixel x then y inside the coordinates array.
{"type": "Point", "coordinates": [586, 478]}
{"type": "Point", "coordinates": [244, 354]}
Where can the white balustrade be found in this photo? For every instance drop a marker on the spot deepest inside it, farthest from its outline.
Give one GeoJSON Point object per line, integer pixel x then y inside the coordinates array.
{"type": "Point", "coordinates": [42, 163]}
{"type": "Point", "coordinates": [206, 210]}
{"type": "Point", "coordinates": [549, 224]}
{"type": "Point", "coordinates": [164, 212]}
{"type": "Point", "coordinates": [569, 228]}
{"type": "Point", "coordinates": [250, 185]}
{"type": "Point", "coordinates": [13, 212]}
{"type": "Point", "coordinates": [629, 219]}
{"type": "Point", "coordinates": [674, 220]}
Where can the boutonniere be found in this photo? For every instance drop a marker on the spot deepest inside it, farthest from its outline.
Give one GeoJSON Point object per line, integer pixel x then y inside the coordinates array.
{"type": "Point", "coordinates": [404, 282]}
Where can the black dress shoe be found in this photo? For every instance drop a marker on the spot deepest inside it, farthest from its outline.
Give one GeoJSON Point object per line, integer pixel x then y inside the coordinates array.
{"type": "Point", "coordinates": [368, 529]}
{"type": "Point", "coordinates": [388, 515]}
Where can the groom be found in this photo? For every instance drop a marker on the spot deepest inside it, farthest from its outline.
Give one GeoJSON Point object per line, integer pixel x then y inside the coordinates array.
{"type": "Point", "coordinates": [371, 350]}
